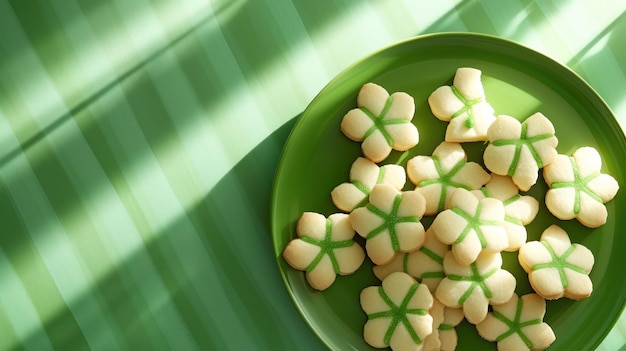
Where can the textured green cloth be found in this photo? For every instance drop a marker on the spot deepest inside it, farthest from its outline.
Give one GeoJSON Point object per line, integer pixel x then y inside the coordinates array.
{"type": "Point", "coordinates": [139, 140]}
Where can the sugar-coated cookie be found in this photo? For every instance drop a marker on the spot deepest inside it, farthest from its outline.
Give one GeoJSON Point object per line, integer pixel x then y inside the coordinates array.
{"type": "Point", "coordinates": [364, 174]}
{"type": "Point", "coordinates": [381, 122]}
{"type": "Point", "coordinates": [425, 264]}
{"type": "Point", "coordinates": [447, 332]}
{"type": "Point", "coordinates": [518, 325]}
{"type": "Point", "coordinates": [578, 189]}
{"type": "Point", "coordinates": [324, 248]}
{"type": "Point", "coordinates": [471, 226]}
{"type": "Point", "coordinates": [520, 149]}
{"type": "Point", "coordinates": [476, 286]}
{"type": "Point", "coordinates": [437, 176]}
{"type": "Point", "coordinates": [519, 210]}
{"type": "Point", "coordinates": [557, 268]}
{"type": "Point", "coordinates": [397, 313]}
{"type": "Point", "coordinates": [391, 222]}
{"type": "Point", "coordinates": [464, 106]}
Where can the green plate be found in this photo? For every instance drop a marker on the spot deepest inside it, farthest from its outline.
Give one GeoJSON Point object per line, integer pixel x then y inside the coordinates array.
{"type": "Point", "coordinates": [518, 82]}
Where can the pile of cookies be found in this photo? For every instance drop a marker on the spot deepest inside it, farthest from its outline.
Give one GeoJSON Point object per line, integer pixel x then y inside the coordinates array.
{"type": "Point", "coordinates": [432, 278]}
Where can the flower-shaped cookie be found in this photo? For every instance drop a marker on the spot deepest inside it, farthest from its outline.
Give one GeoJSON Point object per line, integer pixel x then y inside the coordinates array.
{"type": "Point", "coordinates": [464, 106]}
{"type": "Point", "coordinates": [471, 226]}
{"type": "Point", "coordinates": [578, 189]}
{"type": "Point", "coordinates": [382, 122]}
{"type": "Point", "coordinates": [364, 174]}
{"type": "Point", "coordinates": [437, 176]}
{"type": "Point", "coordinates": [519, 150]}
{"type": "Point", "coordinates": [476, 286]}
{"type": "Point", "coordinates": [324, 248]}
{"type": "Point", "coordinates": [519, 210]}
{"type": "Point", "coordinates": [425, 264]}
{"type": "Point", "coordinates": [518, 324]}
{"type": "Point", "coordinates": [397, 313]}
{"type": "Point", "coordinates": [447, 334]}
{"type": "Point", "coordinates": [390, 222]}
{"type": "Point", "coordinates": [557, 268]}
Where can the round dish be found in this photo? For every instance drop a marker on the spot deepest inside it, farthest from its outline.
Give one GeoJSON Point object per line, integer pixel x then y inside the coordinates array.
{"type": "Point", "coordinates": [518, 82]}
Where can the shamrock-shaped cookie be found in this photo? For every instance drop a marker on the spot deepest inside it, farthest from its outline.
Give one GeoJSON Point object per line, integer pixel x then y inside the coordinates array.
{"type": "Point", "coordinates": [519, 150]}
{"type": "Point", "coordinates": [382, 122]}
{"type": "Point", "coordinates": [437, 176]}
{"type": "Point", "coordinates": [557, 268]}
{"type": "Point", "coordinates": [324, 248]}
{"type": "Point", "coordinates": [397, 313]}
{"type": "Point", "coordinates": [425, 264]}
{"type": "Point", "coordinates": [578, 189]}
{"type": "Point", "coordinates": [518, 324]}
{"type": "Point", "coordinates": [476, 286]}
{"type": "Point", "coordinates": [519, 210]}
{"type": "Point", "coordinates": [464, 106]}
{"type": "Point", "coordinates": [390, 222]}
{"type": "Point", "coordinates": [471, 226]}
{"type": "Point", "coordinates": [364, 174]}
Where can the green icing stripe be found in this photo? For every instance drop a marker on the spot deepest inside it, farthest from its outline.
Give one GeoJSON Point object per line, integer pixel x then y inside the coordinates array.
{"type": "Point", "coordinates": [381, 175]}
{"type": "Point", "coordinates": [445, 179]}
{"type": "Point", "coordinates": [515, 326]}
{"type": "Point", "coordinates": [432, 255]}
{"type": "Point", "coordinates": [467, 107]}
{"type": "Point", "coordinates": [327, 245]}
{"type": "Point", "coordinates": [443, 326]}
{"type": "Point", "coordinates": [389, 221]}
{"type": "Point", "coordinates": [580, 185]}
{"type": "Point", "coordinates": [473, 222]}
{"type": "Point", "coordinates": [405, 263]}
{"type": "Point", "coordinates": [512, 199]}
{"type": "Point", "coordinates": [526, 141]}
{"type": "Point", "coordinates": [559, 263]}
{"type": "Point", "coordinates": [476, 279]}
{"type": "Point", "coordinates": [513, 220]}
{"type": "Point", "coordinates": [380, 122]}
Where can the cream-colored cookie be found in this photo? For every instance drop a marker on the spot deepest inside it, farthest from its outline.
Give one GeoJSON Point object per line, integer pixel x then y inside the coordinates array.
{"type": "Point", "coordinates": [471, 226]}
{"type": "Point", "coordinates": [464, 106]}
{"type": "Point", "coordinates": [437, 176]}
{"type": "Point", "coordinates": [425, 264]}
{"type": "Point", "coordinates": [476, 286]}
{"type": "Point", "coordinates": [578, 189]}
{"type": "Point", "coordinates": [520, 149]}
{"type": "Point", "coordinates": [324, 248]}
{"type": "Point", "coordinates": [518, 325]}
{"type": "Point", "coordinates": [519, 210]}
{"type": "Point", "coordinates": [557, 268]}
{"type": "Point", "coordinates": [364, 174]}
{"type": "Point", "coordinates": [391, 222]}
{"type": "Point", "coordinates": [433, 341]}
{"type": "Point", "coordinates": [397, 313]}
{"type": "Point", "coordinates": [447, 332]}
{"type": "Point", "coordinates": [381, 122]}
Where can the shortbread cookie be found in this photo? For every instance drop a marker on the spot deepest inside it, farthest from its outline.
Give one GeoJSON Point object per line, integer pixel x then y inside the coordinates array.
{"type": "Point", "coordinates": [364, 174]}
{"type": "Point", "coordinates": [447, 332]}
{"type": "Point", "coordinates": [519, 150]}
{"type": "Point", "coordinates": [391, 222]}
{"type": "Point", "coordinates": [518, 325]}
{"type": "Point", "coordinates": [471, 226]}
{"type": "Point", "coordinates": [578, 189]}
{"type": "Point", "coordinates": [433, 341]}
{"type": "Point", "coordinates": [464, 106]}
{"type": "Point", "coordinates": [557, 268]}
{"type": "Point", "coordinates": [519, 210]}
{"type": "Point", "coordinates": [324, 248]}
{"type": "Point", "coordinates": [476, 286]}
{"type": "Point", "coordinates": [397, 313]}
{"type": "Point", "coordinates": [437, 176]}
{"type": "Point", "coordinates": [381, 122]}
{"type": "Point", "coordinates": [425, 264]}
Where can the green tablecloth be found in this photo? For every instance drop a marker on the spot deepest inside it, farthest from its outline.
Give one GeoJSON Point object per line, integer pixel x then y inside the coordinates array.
{"type": "Point", "coordinates": [139, 140]}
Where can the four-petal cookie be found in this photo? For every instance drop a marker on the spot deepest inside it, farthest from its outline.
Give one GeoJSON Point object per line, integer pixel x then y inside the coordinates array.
{"type": "Point", "coordinates": [381, 122]}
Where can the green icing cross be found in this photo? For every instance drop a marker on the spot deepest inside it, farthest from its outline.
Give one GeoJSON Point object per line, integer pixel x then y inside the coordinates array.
{"type": "Point", "coordinates": [580, 185]}
{"type": "Point", "coordinates": [559, 263]}
{"type": "Point", "coordinates": [476, 279]}
{"type": "Point", "coordinates": [445, 179]}
{"type": "Point", "coordinates": [473, 222]}
{"type": "Point", "coordinates": [524, 140]}
{"type": "Point", "coordinates": [327, 245]}
{"type": "Point", "coordinates": [467, 107]}
{"type": "Point", "coordinates": [380, 122]}
{"type": "Point", "coordinates": [398, 314]}
{"type": "Point", "coordinates": [389, 221]}
{"type": "Point", "coordinates": [515, 326]}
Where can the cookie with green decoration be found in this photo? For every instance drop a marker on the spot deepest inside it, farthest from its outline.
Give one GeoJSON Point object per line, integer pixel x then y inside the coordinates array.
{"type": "Point", "coordinates": [557, 268]}
{"type": "Point", "coordinates": [364, 174]}
{"type": "Point", "coordinates": [324, 248]}
{"type": "Point", "coordinates": [433, 341]}
{"type": "Point", "coordinates": [476, 286]}
{"type": "Point", "coordinates": [464, 106]}
{"type": "Point", "coordinates": [381, 122]}
{"type": "Point", "coordinates": [390, 223]}
{"type": "Point", "coordinates": [578, 188]}
{"type": "Point", "coordinates": [447, 332]}
{"type": "Point", "coordinates": [518, 325]}
{"type": "Point", "coordinates": [438, 175]}
{"type": "Point", "coordinates": [520, 149]}
{"type": "Point", "coordinates": [397, 313]}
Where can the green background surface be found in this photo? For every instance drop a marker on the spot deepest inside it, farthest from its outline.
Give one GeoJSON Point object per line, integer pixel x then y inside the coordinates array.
{"type": "Point", "coordinates": [139, 141]}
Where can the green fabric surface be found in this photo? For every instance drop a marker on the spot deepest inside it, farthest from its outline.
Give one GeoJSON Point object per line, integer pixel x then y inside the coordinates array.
{"type": "Point", "coordinates": [139, 140]}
